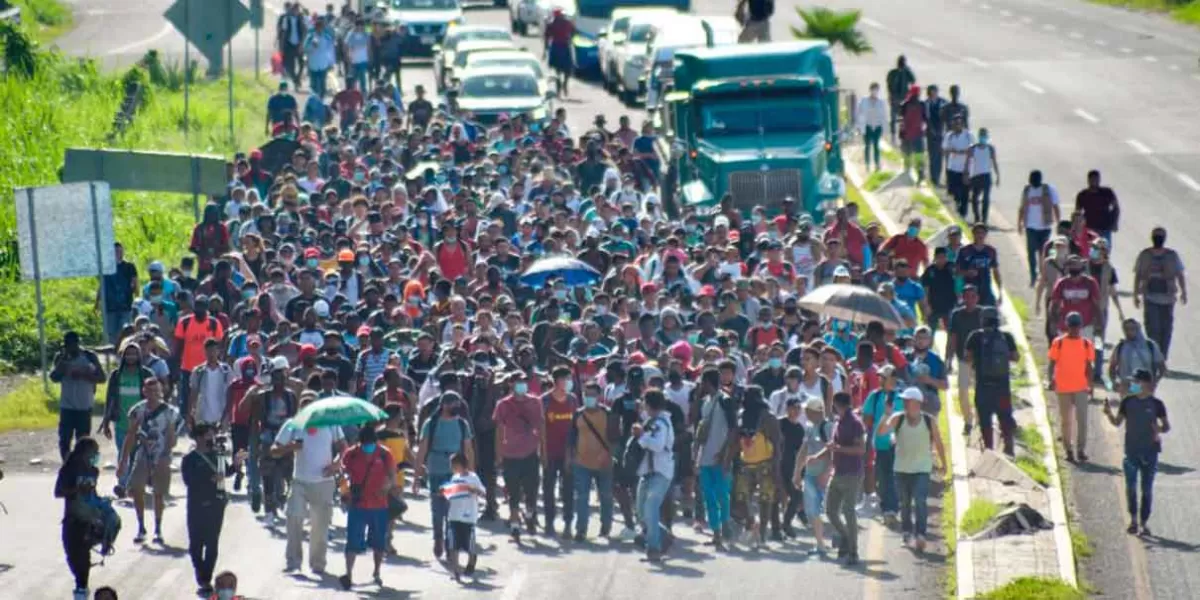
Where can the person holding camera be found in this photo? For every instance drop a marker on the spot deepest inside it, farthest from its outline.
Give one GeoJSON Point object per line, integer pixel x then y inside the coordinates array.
{"type": "Point", "coordinates": [371, 470]}
{"type": "Point", "coordinates": [204, 470]}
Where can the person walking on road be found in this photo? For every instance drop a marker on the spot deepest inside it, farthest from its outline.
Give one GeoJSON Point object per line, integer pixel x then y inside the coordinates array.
{"type": "Point", "coordinates": [1158, 282]}
{"type": "Point", "coordinates": [965, 320]}
{"type": "Point", "coordinates": [520, 426]}
{"type": "Point", "coordinates": [120, 289]}
{"type": "Point", "coordinates": [1145, 419]}
{"type": "Point", "coordinates": [813, 469]}
{"type": "Point", "coordinates": [912, 133]}
{"type": "Point", "coordinates": [1135, 352]}
{"type": "Point", "coordinates": [755, 18]}
{"type": "Point", "coordinates": [756, 482]}
{"type": "Point", "coordinates": [1076, 293]}
{"type": "Point", "coordinates": [371, 471]}
{"type": "Point", "coordinates": [312, 488]}
{"type": "Point", "coordinates": [1100, 208]}
{"type": "Point", "coordinates": [899, 80]}
{"type": "Point", "coordinates": [991, 352]}
{"type": "Point", "coordinates": [358, 54]}
{"type": "Point", "coordinates": [78, 371]}
{"type": "Point", "coordinates": [656, 470]}
{"type": "Point", "coordinates": [558, 35]}
{"type": "Point", "coordinates": [983, 171]}
{"type": "Point", "coordinates": [442, 436]}
{"type": "Point", "coordinates": [1036, 217]}
{"type": "Point", "coordinates": [590, 452]}
{"type": "Point", "coordinates": [978, 264]}
{"type": "Point", "coordinates": [916, 438]}
{"type": "Point", "coordinates": [955, 145]}
{"type": "Point", "coordinates": [292, 30]}
{"type": "Point", "coordinates": [955, 109]}
{"type": "Point", "coordinates": [1072, 357]}
{"type": "Point", "coordinates": [847, 451]}
{"type": "Point", "coordinates": [320, 49]}
{"type": "Point", "coordinates": [146, 456]}
{"type": "Point", "coordinates": [204, 471]}
{"type": "Point", "coordinates": [872, 116]}
{"type": "Point", "coordinates": [881, 404]}
{"type": "Point", "coordinates": [935, 131]}
{"type": "Point", "coordinates": [76, 485]}
{"type": "Point", "coordinates": [715, 448]}
{"type": "Point", "coordinates": [463, 493]}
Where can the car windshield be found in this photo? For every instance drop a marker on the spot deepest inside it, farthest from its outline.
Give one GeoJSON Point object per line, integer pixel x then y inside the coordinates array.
{"type": "Point", "coordinates": [460, 59]}
{"type": "Point", "coordinates": [508, 86]}
{"type": "Point", "coordinates": [452, 41]}
{"type": "Point", "coordinates": [768, 111]}
{"type": "Point", "coordinates": [505, 61]}
{"type": "Point", "coordinates": [640, 32]}
{"type": "Point", "coordinates": [425, 4]}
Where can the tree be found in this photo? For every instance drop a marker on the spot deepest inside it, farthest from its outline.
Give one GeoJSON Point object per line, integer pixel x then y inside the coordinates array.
{"type": "Point", "coordinates": [839, 28]}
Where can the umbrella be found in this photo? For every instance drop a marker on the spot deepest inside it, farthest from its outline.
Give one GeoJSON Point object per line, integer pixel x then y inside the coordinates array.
{"type": "Point", "coordinates": [853, 303]}
{"type": "Point", "coordinates": [338, 411]}
{"type": "Point", "coordinates": [572, 271]}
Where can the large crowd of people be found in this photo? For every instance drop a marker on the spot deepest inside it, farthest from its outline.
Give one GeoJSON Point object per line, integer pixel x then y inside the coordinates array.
{"type": "Point", "coordinates": [676, 372]}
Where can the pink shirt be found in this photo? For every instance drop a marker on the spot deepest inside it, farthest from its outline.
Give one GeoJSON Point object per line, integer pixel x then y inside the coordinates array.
{"type": "Point", "coordinates": [520, 422]}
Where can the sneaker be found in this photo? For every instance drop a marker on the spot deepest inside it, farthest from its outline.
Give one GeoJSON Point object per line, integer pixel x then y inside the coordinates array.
{"type": "Point", "coordinates": [851, 559]}
{"type": "Point", "coordinates": [140, 538]}
{"type": "Point", "coordinates": [375, 577]}
{"type": "Point", "coordinates": [654, 556]}
{"type": "Point", "coordinates": [841, 551]}
{"type": "Point", "coordinates": [204, 591]}
{"type": "Point", "coordinates": [566, 533]}
{"type": "Point", "coordinates": [1070, 455]}
{"type": "Point", "coordinates": [727, 530]}
{"type": "Point", "coordinates": [817, 550]}
{"type": "Point", "coordinates": [789, 531]}
{"type": "Point", "coordinates": [515, 532]}
{"type": "Point", "coordinates": [1133, 528]}
{"type": "Point", "coordinates": [1146, 530]}
{"type": "Point", "coordinates": [158, 538]}
{"type": "Point", "coordinates": [237, 483]}
{"type": "Point", "coordinates": [967, 429]}
{"type": "Point", "coordinates": [344, 580]}
{"type": "Point", "coordinates": [889, 519]}
{"type": "Point", "coordinates": [1082, 456]}
{"type": "Point", "coordinates": [605, 531]}
{"type": "Point", "coordinates": [907, 539]}
{"type": "Point", "coordinates": [579, 537]}
{"type": "Point", "coordinates": [776, 535]}
{"type": "Point", "coordinates": [80, 594]}
{"type": "Point", "coordinates": [471, 560]}
{"type": "Point", "coordinates": [438, 549]}
{"type": "Point", "coordinates": [803, 516]}
{"type": "Point", "coordinates": [920, 543]}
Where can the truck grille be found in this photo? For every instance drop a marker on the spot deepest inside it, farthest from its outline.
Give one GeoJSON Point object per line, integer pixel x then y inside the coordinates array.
{"type": "Point", "coordinates": [766, 188]}
{"type": "Point", "coordinates": [426, 29]}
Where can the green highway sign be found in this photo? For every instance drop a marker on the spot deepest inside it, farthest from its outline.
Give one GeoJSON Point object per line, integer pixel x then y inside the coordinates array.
{"type": "Point", "coordinates": [147, 171]}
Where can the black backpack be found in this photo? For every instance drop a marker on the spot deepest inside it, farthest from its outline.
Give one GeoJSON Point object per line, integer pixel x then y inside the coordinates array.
{"type": "Point", "coordinates": [994, 354]}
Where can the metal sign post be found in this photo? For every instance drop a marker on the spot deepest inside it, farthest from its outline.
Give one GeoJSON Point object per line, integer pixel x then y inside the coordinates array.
{"type": "Point", "coordinates": [187, 70]}
{"type": "Point", "coordinates": [229, 45]}
{"type": "Point", "coordinates": [37, 287]}
{"type": "Point", "coordinates": [102, 302]}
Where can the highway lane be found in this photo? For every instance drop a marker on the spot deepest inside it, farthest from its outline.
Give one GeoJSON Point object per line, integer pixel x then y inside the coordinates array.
{"type": "Point", "coordinates": [1067, 87]}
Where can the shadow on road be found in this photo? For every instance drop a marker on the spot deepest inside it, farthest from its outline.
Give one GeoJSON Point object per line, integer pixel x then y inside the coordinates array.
{"type": "Point", "coordinates": [1182, 375]}
{"type": "Point", "coordinates": [1170, 469]}
{"type": "Point", "coordinates": [1091, 467]}
{"type": "Point", "coordinates": [1170, 544]}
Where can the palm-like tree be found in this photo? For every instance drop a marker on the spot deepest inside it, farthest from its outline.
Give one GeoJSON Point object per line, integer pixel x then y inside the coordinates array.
{"type": "Point", "coordinates": [839, 28]}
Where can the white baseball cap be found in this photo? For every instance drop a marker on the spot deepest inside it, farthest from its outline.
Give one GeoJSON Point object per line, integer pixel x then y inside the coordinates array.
{"type": "Point", "coordinates": [912, 393]}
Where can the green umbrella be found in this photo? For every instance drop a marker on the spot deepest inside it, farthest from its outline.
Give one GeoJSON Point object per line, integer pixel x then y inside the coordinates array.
{"type": "Point", "coordinates": [338, 411]}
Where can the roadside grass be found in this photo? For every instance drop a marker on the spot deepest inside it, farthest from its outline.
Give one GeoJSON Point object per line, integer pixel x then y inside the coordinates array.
{"type": "Point", "coordinates": [949, 521]}
{"type": "Point", "coordinates": [1020, 307]}
{"type": "Point", "coordinates": [1028, 588]}
{"type": "Point", "coordinates": [891, 155]}
{"type": "Point", "coordinates": [929, 206]}
{"type": "Point", "coordinates": [866, 216]}
{"type": "Point", "coordinates": [45, 19]}
{"type": "Point", "coordinates": [1184, 11]}
{"type": "Point", "coordinates": [877, 179]}
{"type": "Point", "coordinates": [979, 512]}
{"type": "Point", "coordinates": [1035, 468]}
{"type": "Point", "coordinates": [30, 407]}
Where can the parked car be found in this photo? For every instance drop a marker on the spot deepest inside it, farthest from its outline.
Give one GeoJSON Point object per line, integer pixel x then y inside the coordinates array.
{"type": "Point", "coordinates": [493, 91]}
{"type": "Point", "coordinates": [443, 54]}
{"type": "Point", "coordinates": [525, 13]}
{"type": "Point", "coordinates": [466, 49]}
{"type": "Point", "coordinates": [611, 38]}
{"type": "Point", "coordinates": [426, 21]}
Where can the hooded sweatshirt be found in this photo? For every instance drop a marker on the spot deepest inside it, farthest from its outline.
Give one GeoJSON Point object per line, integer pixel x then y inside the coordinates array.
{"type": "Point", "coordinates": [115, 410]}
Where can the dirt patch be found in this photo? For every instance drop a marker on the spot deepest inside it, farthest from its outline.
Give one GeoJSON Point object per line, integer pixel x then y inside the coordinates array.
{"type": "Point", "coordinates": [31, 451]}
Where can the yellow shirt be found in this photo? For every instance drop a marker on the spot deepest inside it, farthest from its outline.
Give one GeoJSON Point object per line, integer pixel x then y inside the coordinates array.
{"type": "Point", "coordinates": [397, 444]}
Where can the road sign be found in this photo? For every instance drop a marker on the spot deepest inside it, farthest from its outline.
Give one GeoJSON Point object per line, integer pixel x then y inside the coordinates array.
{"type": "Point", "coordinates": [149, 172]}
{"type": "Point", "coordinates": [58, 227]}
{"type": "Point", "coordinates": [256, 14]}
{"type": "Point", "coordinates": [208, 24]}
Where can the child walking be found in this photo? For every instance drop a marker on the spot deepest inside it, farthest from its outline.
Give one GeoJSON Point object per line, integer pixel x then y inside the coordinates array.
{"type": "Point", "coordinates": [462, 492]}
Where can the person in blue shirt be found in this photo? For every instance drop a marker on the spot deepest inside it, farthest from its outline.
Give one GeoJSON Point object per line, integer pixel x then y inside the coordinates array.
{"type": "Point", "coordinates": [646, 157]}
{"type": "Point", "coordinates": [927, 370]}
{"type": "Point", "coordinates": [878, 407]}
{"type": "Point", "coordinates": [841, 337]}
{"type": "Point", "coordinates": [908, 290]}
{"type": "Point", "coordinates": [281, 107]}
{"type": "Point", "coordinates": [315, 111]}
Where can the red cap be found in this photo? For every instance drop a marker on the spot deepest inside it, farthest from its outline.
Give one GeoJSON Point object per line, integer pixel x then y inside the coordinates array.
{"type": "Point", "coordinates": [637, 358]}
{"type": "Point", "coordinates": [364, 330]}
{"type": "Point", "coordinates": [708, 290]}
{"type": "Point", "coordinates": [256, 154]}
{"type": "Point", "coordinates": [648, 288]}
{"type": "Point", "coordinates": [307, 351]}
{"type": "Point", "coordinates": [735, 235]}
{"type": "Point", "coordinates": [311, 253]}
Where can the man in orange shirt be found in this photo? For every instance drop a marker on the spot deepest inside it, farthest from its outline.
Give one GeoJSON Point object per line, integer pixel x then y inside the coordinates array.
{"type": "Point", "coordinates": [1072, 357]}
{"type": "Point", "coordinates": [190, 334]}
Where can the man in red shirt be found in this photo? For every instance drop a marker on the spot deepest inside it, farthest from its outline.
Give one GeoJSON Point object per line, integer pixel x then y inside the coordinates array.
{"type": "Point", "coordinates": [558, 36]}
{"type": "Point", "coordinates": [451, 253]}
{"type": "Point", "coordinates": [371, 471]}
{"type": "Point", "coordinates": [851, 237]}
{"type": "Point", "coordinates": [559, 405]}
{"type": "Point", "coordinates": [1077, 292]}
{"type": "Point", "coordinates": [348, 103]}
{"type": "Point", "coordinates": [520, 425]}
{"type": "Point", "coordinates": [908, 245]}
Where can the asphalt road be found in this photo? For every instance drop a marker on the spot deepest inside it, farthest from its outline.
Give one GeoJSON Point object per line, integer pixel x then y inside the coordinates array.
{"type": "Point", "coordinates": [1066, 87]}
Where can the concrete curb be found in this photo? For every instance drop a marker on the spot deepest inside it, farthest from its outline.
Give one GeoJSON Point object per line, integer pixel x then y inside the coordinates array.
{"type": "Point", "coordinates": [964, 555]}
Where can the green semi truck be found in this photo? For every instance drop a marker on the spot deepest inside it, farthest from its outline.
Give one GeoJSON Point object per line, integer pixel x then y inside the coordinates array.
{"type": "Point", "coordinates": [758, 122]}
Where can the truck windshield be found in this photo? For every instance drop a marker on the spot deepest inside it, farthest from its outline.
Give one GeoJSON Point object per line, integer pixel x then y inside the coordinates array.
{"type": "Point", "coordinates": [603, 9]}
{"type": "Point", "coordinates": [640, 33]}
{"type": "Point", "coordinates": [765, 111]}
{"type": "Point", "coordinates": [425, 4]}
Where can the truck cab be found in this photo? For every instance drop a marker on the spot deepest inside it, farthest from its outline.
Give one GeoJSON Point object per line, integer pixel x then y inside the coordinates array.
{"type": "Point", "coordinates": [758, 122]}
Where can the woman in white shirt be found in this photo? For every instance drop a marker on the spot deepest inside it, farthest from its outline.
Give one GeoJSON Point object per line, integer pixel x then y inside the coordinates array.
{"type": "Point", "coordinates": [981, 164]}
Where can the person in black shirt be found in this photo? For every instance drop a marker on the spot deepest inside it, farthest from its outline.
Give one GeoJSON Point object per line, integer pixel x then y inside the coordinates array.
{"type": "Point", "coordinates": [1145, 420]}
{"type": "Point", "coordinates": [333, 358]}
{"type": "Point", "coordinates": [204, 472]}
{"type": "Point", "coordinates": [986, 352]}
{"type": "Point", "coordinates": [626, 408]}
{"type": "Point", "coordinates": [938, 281]}
{"type": "Point", "coordinates": [76, 483]}
{"type": "Point", "coordinates": [420, 111]}
{"type": "Point", "coordinates": [755, 15]}
{"type": "Point", "coordinates": [899, 80]}
{"type": "Point", "coordinates": [792, 429]}
{"type": "Point", "coordinates": [120, 289]}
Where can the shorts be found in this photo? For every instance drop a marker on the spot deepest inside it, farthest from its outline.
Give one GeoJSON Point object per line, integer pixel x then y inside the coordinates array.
{"type": "Point", "coordinates": [366, 528]}
{"type": "Point", "coordinates": [460, 537]}
{"type": "Point", "coordinates": [814, 496]}
{"type": "Point", "coordinates": [157, 476]}
{"type": "Point", "coordinates": [560, 58]}
{"type": "Point", "coordinates": [758, 476]}
{"type": "Point", "coordinates": [913, 146]}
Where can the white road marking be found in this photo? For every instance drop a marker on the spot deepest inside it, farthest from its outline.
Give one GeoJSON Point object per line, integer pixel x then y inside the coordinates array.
{"type": "Point", "coordinates": [1101, 43]}
{"type": "Point", "coordinates": [1174, 67]}
{"type": "Point", "coordinates": [1086, 116]}
{"type": "Point", "coordinates": [1026, 19]}
{"type": "Point", "coordinates": [985, 6]}
{"type": "Point", "coordinates": [1150, 58]}
{"type": "Point", "coordinates": [1126, 50]}
{"type": "Point", "coordinates": [1072, 55]}
{"type": "Point", "coordinates": [162, 33]}
{"type": "Point", "coordinates": [1139, 147]}
{"type": "Point", "coordinates": [1049, 27]}
{"type": "Point", "coordinates": [1033, 88]}
{"type": "Point", "coordinates": [1188, 181]}
{"type": "Point", "coordinates": [1006, 13]}
{"type": "Point", "coordinates": [1075, 35]}
{"type": "Point", "coordinates": [977, 62]}
{"type": "Point", "coordinates": [872, 23]}
{"type": "Point", "coordinates": [922, 42]}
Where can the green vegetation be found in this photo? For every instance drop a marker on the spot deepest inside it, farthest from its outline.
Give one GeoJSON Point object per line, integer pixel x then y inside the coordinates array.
{"type": "Point", "coordinates": [978, 514]}
{"type": "Point", "coordinates": [890, 155]}
{"type": "Point", "coordinates": [45, 19]}
{"type": "Point", "coordinates": [1184, 11]}
{"type": "Point", "coordinates": [29, 407]}
{"type": "Point", "coordinates": [839, 28]}
{"type": "Point", "coordinates": [854, 195]}
{"type": "Point", "coordinates": [1080, 542]}
{"type": "Point", "coordinates": [877, 180]}
{"type": "Point", "coordinates": [948, 522]}
{"type": "Point", "coordinates": [70, 103]}
{"type": "Point", "coordinates": [1032, 440]}
{"type": "Point", "coordinates": [1042, 588]}
{"type": "Point", "coordinates": [1035, 468]}
{"type": "Point", "coordinates": [1020, 307]}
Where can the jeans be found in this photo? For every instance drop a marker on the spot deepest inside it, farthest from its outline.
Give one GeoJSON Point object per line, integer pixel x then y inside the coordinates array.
{"type": "Point", "coordinates": [651, 492]}
{"type": "Point", "coordinates": [885, 480]}
{"type": "Point", "coordinates": [839, 507]}
{"type": "Point", "coordinates": [981, 192]}
{"type": "Point", "coordinates": [317, 82]}
{"type": "Point", "coordinates": [715, 487]}
{"type": "Point", "coordinates": [556, 476]}
{"type": "Point", "coordinates": [583, 486]}
{"type": "Point", "coordinates": [894, 115]}
{"type": "Point", "coordinates": [438, 505]}
{"type": "Point", "coordinates": [933, 143]}
{"type": "Point", "coordinates": [814, 495]}
{"type": "Point", "coordinates": [312, 499]}
{"type": "Point", "coordinates": [78, 550]}
{"type": "Point", "coordinates": [1035, 239]}
{"type": "Point", "coordinates": [114, 321]}
{"type": "Point", "coordinates": [1107, 235]}
{"type": "Point", "coordinates": [359, 73]}
{"type": "Point", "coordinates": [914, 494]}
{"type": "Point", "coordinates": [184, 394]}
{"type": "Point", "coordinates": [1160, 321]}
{"type": "Point", "coordinates": [72, 425]}
{"type": "Point", "coordinates": [204, 538]}
{"type": "Point", "coordinates": [521, 484]}
{"type": "Point", "coordinates": [956, 184]}
{"type": "Point", "coordinates": [871, 137]}
{"type": "Point", "coordinates": [1145, 465]}
{"type": "Point", "coordinates": [995, 403]}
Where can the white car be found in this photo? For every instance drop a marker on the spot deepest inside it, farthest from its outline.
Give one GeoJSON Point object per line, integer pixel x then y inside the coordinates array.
{"type": "Point", "coordinates": [507, 58]}
{"type": "Point", "coordinates": [525, 13]}
{"type": "Point", "coordinates": [443, 55]}
{"type": "Point", "coordinates": [629, 58]}
{"type": "Point", "coordinates": [491, 92]}
{"type": "Point", "coordinates": [611, 38]}
{"type": "Point", "coordinates": [467, 49]}
{"type": "Point", "coordinates": [426, 21]}
{"type": "Point", "coordinates": [645, 77]}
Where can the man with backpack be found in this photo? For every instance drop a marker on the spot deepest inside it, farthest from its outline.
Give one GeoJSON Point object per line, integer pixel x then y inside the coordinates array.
{"type": "Point", "coordinates": [443, 435]}
{"type": "Point", "coordinates": [191, 334]}
{"type": "Point", "coordinates": [899, 80]}
{"type": "Point", "coordinates": [990, 353]}
{"type": "Point", "coordinates": [812, 470]}
{"type": "Point", "coordinates": [915, 438]}
{"type": "Point", "coordinates": [714, 451]}
{"type": "Point", "coordinates": [880, 405]}
{"type": "Point", "coordinates": [757, 481]}
{"type": "Point", "coordinates": [1135, 351]}
{"type": "Point", "coordinates": [655, 438]}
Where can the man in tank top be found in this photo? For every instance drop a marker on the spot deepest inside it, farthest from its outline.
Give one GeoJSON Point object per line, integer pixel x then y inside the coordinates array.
{"type": "Point", "coordinates": [916, 438]}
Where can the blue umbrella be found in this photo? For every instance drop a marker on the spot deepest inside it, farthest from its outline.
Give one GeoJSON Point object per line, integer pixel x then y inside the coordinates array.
{"type": "Point", "coordinates": [572, 271]}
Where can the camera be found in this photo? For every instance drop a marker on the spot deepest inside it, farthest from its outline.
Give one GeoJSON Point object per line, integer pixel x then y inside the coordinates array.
{"type": "Point", "coordinates": [221, 444]}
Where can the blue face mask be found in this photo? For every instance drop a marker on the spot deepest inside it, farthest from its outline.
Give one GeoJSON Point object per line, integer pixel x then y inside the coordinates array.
{"type": "Point", "coordinates": [983, 139]}
{"type": "Point", "coordinates": [360, 177]}
{"type": "Point", "coordinates": [502, 169]}
{"type": "Point", "coordinates": [521, 388]}
{"type": "Point", "coordinates": [369, 448]}
{"type": "Point", "coordinates": [312, 263]}
{"type": "Point", "coordinates": [913, 231]}
{"type": "Point", "coordinates": [775, 363]}
{"type": "Point", "coordinates": [570, 386]}
{"type": "Point", "coordinates": [1135, 388]}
